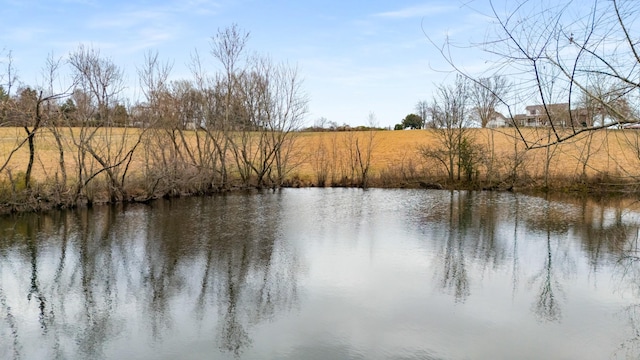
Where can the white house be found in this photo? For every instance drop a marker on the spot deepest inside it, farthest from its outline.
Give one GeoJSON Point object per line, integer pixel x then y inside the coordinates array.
{"type": "Point", "coordinates": [497, 120]}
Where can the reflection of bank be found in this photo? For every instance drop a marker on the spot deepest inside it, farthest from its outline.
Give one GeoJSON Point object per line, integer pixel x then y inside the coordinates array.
{"type": "Point", "coordinates": [630, 347]}
{"type": "Point", "coordinates": [473, 239]}
{"type": "Point", "coordinates": [547, 242]}
{"type": "Point", "coordinates": [256, 284]}
{"type": "Point", "coordinates": [553, 221]}
{"type": "Point", "coordinates": [629, 272]}
{"type": "Point", "coordinates": [469, 237]}
{"type": "Point", "coordinates": [10, 320]}
{"type": "Point", "coordinates": [107, 283]}
{"type": "Point", "coordinates": [547, 305]}
{"type": "Point", "coordinates": [454, 277]}
{"type": "Point", "coordinates": [63, 279]}
{"type": "Point", "coordinates": [248, 274]}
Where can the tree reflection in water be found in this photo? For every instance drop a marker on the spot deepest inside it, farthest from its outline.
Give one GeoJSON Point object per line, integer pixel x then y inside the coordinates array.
{"type": "Point", "coordinates": [472, 237]}
{"type": "Point", "coordinates": [629, 273]}
{"type": "Point", "coordinates": [454, 274]}
{"type": "Point", "coordinates": [90, 283]}
{"type": "Point", "coordinates": [98, 262]}
{"type": "Point", "coordinates": [547, 305]}
{"type": "Point", "coordinates": [11, 324]}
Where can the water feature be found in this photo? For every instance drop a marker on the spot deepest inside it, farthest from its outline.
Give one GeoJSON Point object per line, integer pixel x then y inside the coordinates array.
{"type": "Point", "coordinates": [324, 274]}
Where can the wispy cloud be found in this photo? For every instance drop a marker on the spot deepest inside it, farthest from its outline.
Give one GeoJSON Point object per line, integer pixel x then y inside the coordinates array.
{"type": "Point", "coordinates": [80, 2]}
{"type": "Point", "coordinates": [23, 34]}
{"type": "Point", "coordinates": [70, 46]}
{"type": "Point", "coordinates": [127, 19]}
{"type": "Point", "coordinates": [135, 15]}
{"type": "Point", "coordinates": [416, 11]}
{"type": "Point", "coordinates": [199, 7]}
{"type": "Point", "coordinates": [148, 38]}
{"type": "Point", "coordinates": [145, 27]}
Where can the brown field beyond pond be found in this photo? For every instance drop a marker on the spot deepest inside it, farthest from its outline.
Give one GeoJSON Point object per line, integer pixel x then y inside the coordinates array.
{"type": "Point", "coordinates": [607, 157]}
{"type": "Point", "coordinates": [493, 159]}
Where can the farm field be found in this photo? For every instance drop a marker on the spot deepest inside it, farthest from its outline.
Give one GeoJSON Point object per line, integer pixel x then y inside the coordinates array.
{"type": "Point", "coordinates": [610, 152]}
{"type": "Point", "coordinates": [396, 158]}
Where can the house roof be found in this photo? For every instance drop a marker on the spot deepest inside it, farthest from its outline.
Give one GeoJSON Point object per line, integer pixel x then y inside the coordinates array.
{"type": "Point", "coordinates": [498, 115]}
{"type": "Point", "coordinates": [550, 107]}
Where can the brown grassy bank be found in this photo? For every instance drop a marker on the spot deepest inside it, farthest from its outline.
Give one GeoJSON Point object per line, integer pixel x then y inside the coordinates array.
{"type": "Point", "coordinates": [603, 161]}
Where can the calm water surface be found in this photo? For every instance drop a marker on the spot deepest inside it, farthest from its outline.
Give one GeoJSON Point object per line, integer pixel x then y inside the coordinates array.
{"type": "Point", "coordinates": [324, 274]}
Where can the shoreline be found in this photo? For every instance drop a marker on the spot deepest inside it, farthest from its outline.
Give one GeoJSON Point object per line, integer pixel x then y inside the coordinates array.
{"type": "Point", "coordinates": [40, 205]}
{"type": "Point", "coordinates": [150, 164]}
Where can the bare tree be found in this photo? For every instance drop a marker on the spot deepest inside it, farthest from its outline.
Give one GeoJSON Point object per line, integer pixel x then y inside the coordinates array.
{"type": "Point", "coordinates": [99, 83]}
{"type": "Point", "coordinates": [449, 114]}
{"type": "Point", "coordinates": [364, 151]}
{"type": "Point", "coordinates": [262, 105]}
{"type": "Point", "coordinates": [549, 154]}
{"type": "Point", "coordinates": [9, 78]}
{"type": "Point", "coordinates": [31, 119]}
{"type": "Point", "coordinates": [320, 123]}
{"type": "Point", "coordinates": [26, 110]}
{"type": "Point", "coordinates": [321, 162]}
{"type": "Point", "coordinates": [211, 141]}
{"type": "Point", "coordinates": [228, 47]}
{"type": "Point", "coordinates": [273, 106]}
{"type": "Point", "coordinates": [604, 90]}
{"type": "Point", "coordinates": [485, 94]}
{"type": "Point", "coordinates": [349, 158]}
{"type": "Point", "coordinates": [357, 153]}
{"type": "Point", "coordinates": [290, 104]}
{"type": "Point", "coordinates": [422, 110]}
{"type": "Point", "coordinates": [554, 50]}
{"type": "Point", "coordinates": [174, 164]}
{"type": "Point", "coordinates": [159, 113]}
{"type": "Point", "coordinates": [57, 116]}
{"type": "Point", "coordinates": [587, 151]}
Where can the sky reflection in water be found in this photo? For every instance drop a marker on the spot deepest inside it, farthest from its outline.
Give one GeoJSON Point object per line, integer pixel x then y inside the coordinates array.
{"type": "Point", "coordinates": [324, 273]}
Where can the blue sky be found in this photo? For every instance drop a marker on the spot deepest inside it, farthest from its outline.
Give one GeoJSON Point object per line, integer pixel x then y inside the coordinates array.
{"type": "Point", "coordinates": [355, 57]}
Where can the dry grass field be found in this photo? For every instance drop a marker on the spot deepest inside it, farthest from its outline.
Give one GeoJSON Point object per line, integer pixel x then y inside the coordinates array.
{"type": "Point", "coordinates": [606, 156]}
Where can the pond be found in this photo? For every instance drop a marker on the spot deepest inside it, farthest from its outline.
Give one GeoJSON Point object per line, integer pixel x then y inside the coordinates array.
{"type": "Point", "coordinates": [324, 274]}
